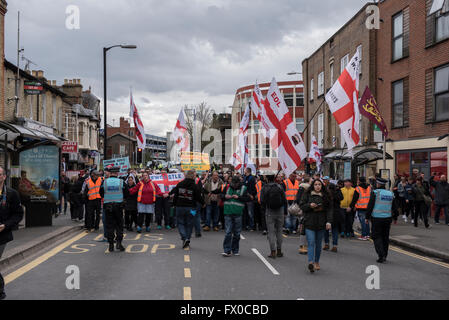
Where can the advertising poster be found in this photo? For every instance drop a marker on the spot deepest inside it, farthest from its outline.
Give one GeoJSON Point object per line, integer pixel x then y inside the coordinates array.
{"type": "Point", "coordinates": [39, 174]}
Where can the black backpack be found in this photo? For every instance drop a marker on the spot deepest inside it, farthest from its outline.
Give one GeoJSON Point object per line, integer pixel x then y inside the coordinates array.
{"type": "Point", "coordinates": [274, 197]}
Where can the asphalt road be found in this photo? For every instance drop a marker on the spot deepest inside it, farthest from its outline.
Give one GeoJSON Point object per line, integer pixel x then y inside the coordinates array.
{"type": "Point", "coordinates": [156, 267]}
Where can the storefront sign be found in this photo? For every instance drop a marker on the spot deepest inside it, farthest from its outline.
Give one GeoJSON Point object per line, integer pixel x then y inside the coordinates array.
{"type": "Point", "coordinates": [39, 179]}
{"type": "Point", "coordinates": [195, 161]}
{"type": "Point", "coordinates": [69, 147]}
{"type": "Point", "coordinates": [33, 87]}
{"type": "Point", "coordinates": [123, 163]}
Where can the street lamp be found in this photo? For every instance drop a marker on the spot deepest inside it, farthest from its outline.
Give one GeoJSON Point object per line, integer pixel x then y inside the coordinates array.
{"type": "Point", "coordinates": [105, 50]}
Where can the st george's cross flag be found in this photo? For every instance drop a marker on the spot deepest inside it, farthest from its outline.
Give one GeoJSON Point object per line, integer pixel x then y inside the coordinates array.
{"type": "Point", "coordinates": [275, 115]}
{"type": "Point", "coordinates": [180, 133]}
{"type": "Point", "coordinates": [315, 154]}
{"type": "Point", "coordinates": [257, 101]}
{"type": "Point", "coordinates": [343, 101]}
{"type": "Point", "coordinates": [140, 131]}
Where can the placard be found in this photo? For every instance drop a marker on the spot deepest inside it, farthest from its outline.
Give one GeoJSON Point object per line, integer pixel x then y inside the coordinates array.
{"type": "Point", "coordinates": [123, 163]}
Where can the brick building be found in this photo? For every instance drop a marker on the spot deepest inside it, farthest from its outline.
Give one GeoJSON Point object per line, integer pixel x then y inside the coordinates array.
{"type": "Point", "coordinates": [320, 71]}
{"type": "Point", "coordinates": [413, 85]}
{"type": "Point", "coordinates": [259, 148]}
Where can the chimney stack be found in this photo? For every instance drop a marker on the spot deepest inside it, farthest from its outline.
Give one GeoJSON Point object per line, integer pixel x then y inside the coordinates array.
{"type": "Point", "coordinates": [66, 81]}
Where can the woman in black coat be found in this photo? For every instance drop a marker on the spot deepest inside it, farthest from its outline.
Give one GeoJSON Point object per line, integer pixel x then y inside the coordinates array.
{"type": "Point", "coordinates": [130, 205]}
{"type": "Point", "coordinates": [76, 199]}
{"type": "Point", "coordinates": [337, 197]}
{"type": "Point", "coordinates": [316, 204]}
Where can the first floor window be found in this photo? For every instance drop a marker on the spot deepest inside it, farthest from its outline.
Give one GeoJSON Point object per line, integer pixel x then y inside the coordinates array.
{"type": "Point", "coordinates": [398, 104]}
{"type": "Point", "coordinates": [442, 93]}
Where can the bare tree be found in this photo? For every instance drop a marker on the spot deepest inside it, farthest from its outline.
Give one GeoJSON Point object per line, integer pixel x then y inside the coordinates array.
{"type": "Point", "coordinates": [203, 115]}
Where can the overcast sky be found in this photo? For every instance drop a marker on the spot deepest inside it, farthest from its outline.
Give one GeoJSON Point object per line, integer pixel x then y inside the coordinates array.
{"type": "Point", "coordinates": [189, 51]}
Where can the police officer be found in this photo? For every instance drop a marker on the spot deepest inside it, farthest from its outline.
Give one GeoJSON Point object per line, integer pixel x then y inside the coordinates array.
{"type": "Point", "coordinates": [379, 211]}
{"type": "Point", "coordinates": [114, 191]}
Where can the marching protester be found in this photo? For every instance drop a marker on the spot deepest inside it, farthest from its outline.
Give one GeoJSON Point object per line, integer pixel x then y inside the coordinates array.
{"type": "Point", "coordinates": [235, 198]}
{"type": "Point", "coordinates": [303, 187]}
{"type": "Point", "coordinates": [76, 199]}
{"type": "Point", "coordinates": [402, 196]}
{"type": "Point", "coordinates": [249, 182]}
{"type": "Point", "coordinates": [422, 202]}
{"type": "Point", "coordinates": [316, 205]}
{"type": "Point", "coordinates": [146, 191]}
{"type": "Point", "coordinates": [130, 204]}
{"type": "Point", "coordinates": [65, 190]}
{"type": "Point", "coordinates": [409, 199]}
{"type": "Point", "coordinates": [291, 187]}
{"type": "Point", "coordinates": [212, 189]}
{"type": "Point", "coordinates": [114, 191]}
{"type": "Point", "coordinates": [93, 206]}
{"type": "Point", "coordinates": [379, 212]}
{"type": "Point", "coordinates": [337, 197]}
{"type": "Point", "coordinates": [346, 211]}
{"type": "Point", "coordinates": [273, 201]}
{"type": "Point", "coordinates": [259, 211]}
{"type": "Point", "coordinates": [441, 198]}
{"type": "Point", "coordinates": [11, 213]}
{"type": "Point", "coordinates": [163, 211]}
{"type": "Point", "coordinates": [359, 203]}
{"type": "Point", "coordinates": [186, 194]}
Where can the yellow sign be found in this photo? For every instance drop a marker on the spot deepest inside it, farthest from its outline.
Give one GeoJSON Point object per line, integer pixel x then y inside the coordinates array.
{"type": "Point", "coordinates": [195, 161]}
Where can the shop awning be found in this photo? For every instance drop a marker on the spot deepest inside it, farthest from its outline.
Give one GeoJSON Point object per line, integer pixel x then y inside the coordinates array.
{"type": "Point", "coordinates": [18, 130]}
{"type": "Point", "coordinates": [10, 135]}
{"type": "Point", "coordinates": [362, 155]}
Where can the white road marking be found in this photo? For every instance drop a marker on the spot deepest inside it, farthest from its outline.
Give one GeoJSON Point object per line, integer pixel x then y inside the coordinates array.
{"type": "Point", "coordinates": [269, 266]}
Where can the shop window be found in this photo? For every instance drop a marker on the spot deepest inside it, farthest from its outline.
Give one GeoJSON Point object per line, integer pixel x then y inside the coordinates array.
{"type": "Point", "coordinates": [403, 164]}
{"type": "Point", "coordinates": [438, 163]}
{"type": "Point", "coordinates": [421, 158]}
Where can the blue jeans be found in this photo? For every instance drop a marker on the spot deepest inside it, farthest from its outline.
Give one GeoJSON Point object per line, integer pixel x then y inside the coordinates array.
{"type": "Point", "coordinates": [250, 209]}
{"type": "Point", "coordinates": [365, 226]}
{"type": "Point", "coordinates": [334, 236]}
{"type": "Point", "coordinates": [314, 240]}
{"type": "Point", "coordinates": [213, 214]}
{"type": "Point", "coordinates": [231, 241]}
{"type": "Point", "coordinates": [185, 222]}
{"type": "Point", "coordinates": [290, 222]}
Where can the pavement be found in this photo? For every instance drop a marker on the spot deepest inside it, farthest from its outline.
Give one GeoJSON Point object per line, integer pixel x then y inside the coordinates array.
{"type": "Point", "coordinates": [155, 267]}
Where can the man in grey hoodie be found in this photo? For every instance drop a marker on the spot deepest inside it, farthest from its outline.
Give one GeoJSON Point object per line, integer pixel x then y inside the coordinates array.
{"type": "Point", "coordinates": [441, 197]}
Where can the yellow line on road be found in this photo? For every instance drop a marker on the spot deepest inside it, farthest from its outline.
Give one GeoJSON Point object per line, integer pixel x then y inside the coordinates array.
{"type": "Point", "coordinates": [413, 255]}
{"type": "Point", "coordinates": [186, 258]}
{"type": "Point", "coordinates": [187, 293]}
{"type": "Point", "coordinates": [33, 264]}
{"type": "Point", "coordinates": [187, 273]}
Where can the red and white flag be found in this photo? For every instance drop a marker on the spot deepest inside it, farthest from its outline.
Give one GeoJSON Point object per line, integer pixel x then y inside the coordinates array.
{"type": "Point", "coordinates": [180, 133]}
{"type": "Point", "coordinates": [140, 131]}
{"type": "Point", "coordinates": [275, 115]}
{"type": "Point", "coordinates": [257, 101]}
{"type": "Point", "coordinates": [315, 154]}
{"type": "Point", "coordinates": [343, 101]}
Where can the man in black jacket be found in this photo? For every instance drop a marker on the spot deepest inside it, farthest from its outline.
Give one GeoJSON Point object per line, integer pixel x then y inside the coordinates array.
{"type": "Point", "coordinates": [186, 195]}
{"type": "Point", "coordinates": [441, 197]}
{"type": "Point", "coordinates": [11, 213]}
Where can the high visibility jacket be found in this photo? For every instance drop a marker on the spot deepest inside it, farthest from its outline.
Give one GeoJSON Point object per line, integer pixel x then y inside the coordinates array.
{"type": "Point", "coordinates": [383, 204]}
{"type": "Point", "coordinates": [234, 206]}
{"type": "Point", "coordinates": [139, 194]}
{"type": "Point", "coordinates": [223, 187]}
{"type": "Point", "coordinates": [364, 195]}
{"type": "Point", "coordinates": [291, 189]}
{"type": "Point", "coordinates": [113, 190]}
{"type": "Point", "coordinates": [94, 189]}
{"type": "Point", "coordinates": [259, 189]}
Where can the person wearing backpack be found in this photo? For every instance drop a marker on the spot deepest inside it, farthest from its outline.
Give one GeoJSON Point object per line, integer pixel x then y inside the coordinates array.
{"type": "Point", "coordinates": [273, 200]}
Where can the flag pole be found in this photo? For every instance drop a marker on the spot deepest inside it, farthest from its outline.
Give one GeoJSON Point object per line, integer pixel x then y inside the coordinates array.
{"type": "Point", "coordinates": [385, 152]}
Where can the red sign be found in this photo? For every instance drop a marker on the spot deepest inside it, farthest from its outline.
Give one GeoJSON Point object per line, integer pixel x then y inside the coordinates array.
{"type": "Point", "coordinates": [69, 147]}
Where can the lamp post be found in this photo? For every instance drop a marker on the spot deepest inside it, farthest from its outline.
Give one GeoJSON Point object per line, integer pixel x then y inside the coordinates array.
{"type": "Point", "coordinates": [105, 50]}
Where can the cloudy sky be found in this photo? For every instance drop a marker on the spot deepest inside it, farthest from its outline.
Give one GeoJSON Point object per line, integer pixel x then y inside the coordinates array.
{"type": "Point", "coordinates": [189, 51]}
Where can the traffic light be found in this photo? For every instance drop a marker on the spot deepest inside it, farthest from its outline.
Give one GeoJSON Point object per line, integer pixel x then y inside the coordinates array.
{"type": "Point", "coordinates": [139, 155]}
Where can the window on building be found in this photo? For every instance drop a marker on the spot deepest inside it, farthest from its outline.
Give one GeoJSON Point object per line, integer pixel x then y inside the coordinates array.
{"type": "Point", "coordinates": [44, 108]}
{"type": "Point", "coordinates": [331, 72]}
{"type": "Point", "coordinates": [53, 103]}
{"type": "Point", "coordinates": [320, 137]}
{"type": "Point", "coordinates": [299, 99]}
{"type": "Point", "coordinates": [344, 62]}
{"type": "Point", "coordinates": [442, 93]}
{"type": "Point", "coordinates": [122, 149]}
{"type": "Point", "coordinates": [300, 124]}
{"type": "Point", "coordinates": [256, 126]}
{"type": "Point", "coordinates": [438, 163]}
{"type": "Point", "coordinates": [311, 90]}
{"type": "Point", "coordinates": [442, 22]}
{"type": "Point", "coordinates": [398, 36]}
{"type": "Point", "coordinates": [403, 164]}
{"type": "Point", "coordinates": [81, 133]}
{"type": "Point", "coordinates": [288, 98]}
{"type": "Point", "coordinates": [321, 84]}
{"type": "Point", "coordinates": [398, 104]}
